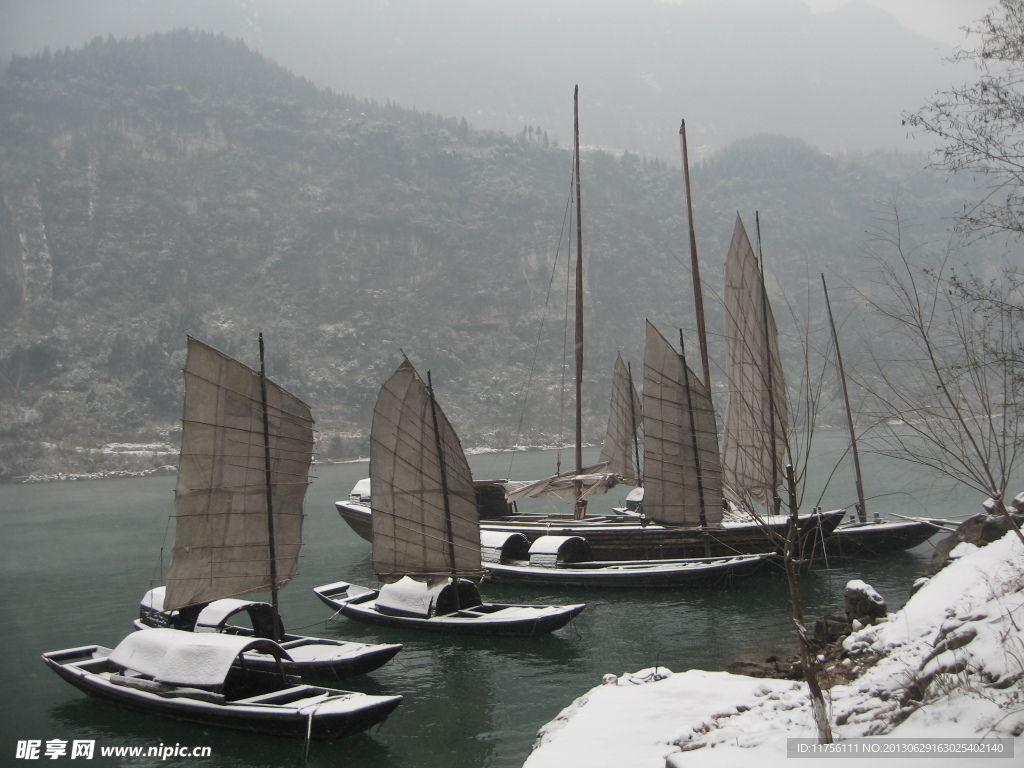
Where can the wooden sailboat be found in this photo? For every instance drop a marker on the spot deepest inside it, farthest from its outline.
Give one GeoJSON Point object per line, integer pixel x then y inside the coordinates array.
{"type": "Point", "coordinates": [648, 530]}
{"type": "Point", "coordinates": [207, 679]}
{"type": "Point", "coordinates": [682, 485]}
{"type": "Point", "coordinates": [755, 440]}
{"type": "Point", "coordinates": [245, 455]}
{"type": "Point", "coordinates": [426, 532]}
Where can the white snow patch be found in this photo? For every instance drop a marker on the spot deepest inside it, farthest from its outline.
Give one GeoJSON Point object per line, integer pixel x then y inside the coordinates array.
{"type": "Point", "coordinates": [951, 666]}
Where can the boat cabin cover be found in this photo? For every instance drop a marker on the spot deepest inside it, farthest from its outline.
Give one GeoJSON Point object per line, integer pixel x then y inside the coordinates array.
{"type": "Point", "coordinates": [185, 658]}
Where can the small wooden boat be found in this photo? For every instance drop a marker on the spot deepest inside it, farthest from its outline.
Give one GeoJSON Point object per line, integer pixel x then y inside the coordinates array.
{"type": "Point", "coordinates": [409, 603]}
{"type": "Point", "coordinates": [879, 538]}
{"type": "Point", "coordinates": [206, 678]}
{"type": "Point", "coordinates": [309, 656]}
{"type": "Point", "coordinates": [426, 529]}
{"type": "Point", "coordinates": [565, 561]}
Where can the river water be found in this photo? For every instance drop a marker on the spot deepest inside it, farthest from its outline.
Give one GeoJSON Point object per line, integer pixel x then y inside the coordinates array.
{"type": "Point", "coordinates": [77, 557]}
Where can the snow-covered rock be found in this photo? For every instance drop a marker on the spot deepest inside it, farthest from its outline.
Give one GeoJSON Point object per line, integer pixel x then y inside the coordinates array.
{"type": "Point", "coordinates": [863, 603]}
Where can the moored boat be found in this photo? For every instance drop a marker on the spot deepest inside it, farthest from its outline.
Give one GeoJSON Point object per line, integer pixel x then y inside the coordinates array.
{"type": "Point", "coordinates": [313, 657]}
{"type": "Point", "coordinates": [204, 678]}
{"type": "Point", "coordinates": [426, 530]}
{"type": "Point", "coordinates": [566, 561]}
{"type": "Point", "coordinates": [435, 608]}
{"type": "Point", "coordinates": [879, 537]}
{"type": "Point", "coordinates": [627, 535]}
{"type": "Point", "coordinates": [246, 449]}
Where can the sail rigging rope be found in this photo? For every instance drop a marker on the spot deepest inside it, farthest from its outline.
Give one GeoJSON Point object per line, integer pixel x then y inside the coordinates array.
{"type": "Point", "coordinates": [521, 406]}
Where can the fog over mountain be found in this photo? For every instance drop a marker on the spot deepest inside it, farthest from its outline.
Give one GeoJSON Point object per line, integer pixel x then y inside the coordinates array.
{"type": "Point", "coordinates": [359, 178]}
{"type": "Point", "coordinates": [733, 68]}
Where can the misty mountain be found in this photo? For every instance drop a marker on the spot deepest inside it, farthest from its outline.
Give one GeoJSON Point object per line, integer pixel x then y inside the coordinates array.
{"type": "Point", "coordinates": [183, 183]}
{"type": "Point", "coordinates": [732, 68]}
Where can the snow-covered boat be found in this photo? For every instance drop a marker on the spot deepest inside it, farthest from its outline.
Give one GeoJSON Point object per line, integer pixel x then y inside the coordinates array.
{"type": "Point", "coordinates": [246, 449]}
{"type": "Point", "coordinates": [566, 561]}
{"type": "Point", "coordinates": [316, 657]}
{"type": "Point", "coordinates": [426, 530]}
{"type": "Point", "coordinates": [436, 607]}
{"type": "Point", "coordinates": [206, 679]}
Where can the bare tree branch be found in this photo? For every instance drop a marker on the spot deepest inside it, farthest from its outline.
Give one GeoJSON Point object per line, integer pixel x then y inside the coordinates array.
{"type": "Point", "coordinates": [947, 387]}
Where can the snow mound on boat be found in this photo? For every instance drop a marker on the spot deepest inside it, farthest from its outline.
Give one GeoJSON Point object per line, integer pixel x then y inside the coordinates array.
{"type": "Point", "coordinates": [186, 658]}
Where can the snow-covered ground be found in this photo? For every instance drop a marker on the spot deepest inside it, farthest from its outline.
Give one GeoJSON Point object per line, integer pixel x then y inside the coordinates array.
{"type": "Point", "coordinates": [949, 665]}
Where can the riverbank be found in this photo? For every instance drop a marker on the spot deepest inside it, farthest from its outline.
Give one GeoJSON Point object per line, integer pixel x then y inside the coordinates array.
{"type": "Point", "coordinates": [949, 664]}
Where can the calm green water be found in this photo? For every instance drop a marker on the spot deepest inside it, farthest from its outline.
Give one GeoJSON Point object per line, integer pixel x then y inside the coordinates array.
{"type": "Point", "coordinates": [78, 556]}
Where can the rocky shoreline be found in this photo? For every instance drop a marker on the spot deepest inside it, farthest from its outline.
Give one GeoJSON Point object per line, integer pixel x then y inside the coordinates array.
{"type": "Point", "coordinates": [865, 607]}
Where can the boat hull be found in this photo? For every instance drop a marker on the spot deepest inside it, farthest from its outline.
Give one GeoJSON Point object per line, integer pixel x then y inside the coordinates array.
{"type": "Point", "coordinates": [627, 538]}
{"type": "Point", "coordinates": [696, 572]}
{"type": "Point", "coordinates": [339, 713]}
{"type": "Point", "coordinates": [488, 619]}
{"type": "Point", "coordinates": [879, 538]}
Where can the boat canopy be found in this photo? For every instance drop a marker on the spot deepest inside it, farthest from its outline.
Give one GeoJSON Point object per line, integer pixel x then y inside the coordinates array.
{"type": "Point", "coordinates": [424, 599]}
{"type": "Point", "coordinates": [551, 551]}
{"type": "Point", "coordinates": [503, 546]}
{"type": "Point", "coordinates": [185, 658]}
{"type": "Point", "coordinates": [154, 598]}
{"type": "Point", "coordinates": [215, 616]}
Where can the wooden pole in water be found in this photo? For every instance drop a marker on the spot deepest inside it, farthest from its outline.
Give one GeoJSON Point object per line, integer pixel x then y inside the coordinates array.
{"type": "Point", "coordinates": [698, 293]}
{"type": "Point", "coordinates": [270, 496]}
{"type": "Point", "coordinates": [862, 510]}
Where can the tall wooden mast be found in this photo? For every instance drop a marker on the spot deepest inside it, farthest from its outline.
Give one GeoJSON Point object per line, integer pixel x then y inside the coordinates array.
{"type": "Point", "coordinates": [581, 507]}
{"type": "Point", "coordinates": [862, 512]}
{"type": "Point", "coordinates": [271, 546]}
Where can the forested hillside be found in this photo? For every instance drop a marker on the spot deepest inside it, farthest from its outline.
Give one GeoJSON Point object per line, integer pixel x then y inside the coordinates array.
{"type": "Point", "coordinates": [182, 184]}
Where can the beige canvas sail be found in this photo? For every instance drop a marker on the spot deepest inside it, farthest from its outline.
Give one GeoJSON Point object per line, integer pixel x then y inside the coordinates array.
{"type": "Point", "coordinates": [754, 445]}
{"type": "Point", "coordinates": [417, 528]}
{"type": "Point", "coordinates": [624, 418]}
{"type": "Point", "coordinates": [682, 467]}
{"type": "Point", "coordinates": [221, 545]}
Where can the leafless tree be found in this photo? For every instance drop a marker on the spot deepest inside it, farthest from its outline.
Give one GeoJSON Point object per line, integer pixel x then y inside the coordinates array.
{"type": "Point", "coordinates": [979, 123]}
{"type": "Point", "coordinates": [945, 375]}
